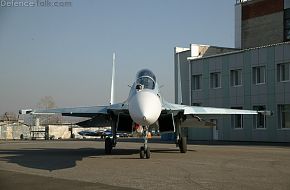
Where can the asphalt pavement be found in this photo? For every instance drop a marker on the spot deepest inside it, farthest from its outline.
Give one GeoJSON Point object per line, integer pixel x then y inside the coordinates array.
{"type": "Point", "coordinates": [81, 164]}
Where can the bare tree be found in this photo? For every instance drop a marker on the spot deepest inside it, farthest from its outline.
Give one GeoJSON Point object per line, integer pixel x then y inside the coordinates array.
{"type": "Point", "coordinates": [47, 102]}
{"type": "Point", "coordinates": [9, 116]}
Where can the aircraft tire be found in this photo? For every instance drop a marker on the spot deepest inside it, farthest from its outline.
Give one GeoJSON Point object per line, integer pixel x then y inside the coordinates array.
{"type": "Point", "coordinates": [147, 152]}
{"type": "Point", "coordinates": [108, 145]}
{"type": "Point", "coordinates": [142, 152]}
{"type": "Point", "coordinates": [182, 145]}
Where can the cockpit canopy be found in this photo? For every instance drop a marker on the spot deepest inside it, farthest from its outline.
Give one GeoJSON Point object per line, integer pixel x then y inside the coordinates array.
{"type": "Point", "coordinates": [146, 78]}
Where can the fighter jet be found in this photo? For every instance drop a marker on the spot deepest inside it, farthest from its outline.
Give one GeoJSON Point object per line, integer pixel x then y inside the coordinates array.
{"type": "Point", "coordinates": [144, 106]}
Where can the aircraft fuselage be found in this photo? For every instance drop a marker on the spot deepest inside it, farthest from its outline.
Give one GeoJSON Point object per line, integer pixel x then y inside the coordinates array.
{"type": "Point", "coordinates": [144, 99]}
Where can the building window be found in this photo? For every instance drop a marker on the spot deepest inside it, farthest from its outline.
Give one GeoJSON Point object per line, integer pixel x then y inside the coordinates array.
{"type": "Point", "coordinates": [236, 77]}
{"type": "Point", "coordinates": [215, 80]}
{"type": "Point", "coordinates": [283, 72]}
{"type": "Point", "coordinates": [284, 116]}
{"type": "Point", "coordinates": [259, 75]}
{"type": "Point", "coordinates": [237, 119]}
{"type": "Point", "coordinates": [259, 119]}
{"type": "Point", "coordinates": [196, 104]}
{"type": "Point", "coordinates": [287, 35]}
{"type": "Point", "coordinates": [287, 24]}
{"type": "Point", "coordinates": [196, 82]}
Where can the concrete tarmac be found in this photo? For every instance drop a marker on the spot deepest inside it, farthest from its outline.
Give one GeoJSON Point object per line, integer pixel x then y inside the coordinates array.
{"type": "Point", "coordinates": [81, 164]}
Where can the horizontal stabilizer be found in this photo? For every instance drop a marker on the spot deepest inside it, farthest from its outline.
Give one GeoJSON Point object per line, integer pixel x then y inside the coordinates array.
{"type": "Point", "coordinates": [99, 121]}
{"type": "Point", "coordinates": [195, 121]}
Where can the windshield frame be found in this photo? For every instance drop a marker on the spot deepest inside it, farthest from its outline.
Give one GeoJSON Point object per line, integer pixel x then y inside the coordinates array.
{"type": "Point", "coordinates": [146, 81]}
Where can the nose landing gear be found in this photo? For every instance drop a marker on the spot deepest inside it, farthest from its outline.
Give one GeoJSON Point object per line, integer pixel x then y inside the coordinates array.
{"type": "Point", "coordinates": [145, 150]}
{"type": "Point", "coordinates": [144, 153]}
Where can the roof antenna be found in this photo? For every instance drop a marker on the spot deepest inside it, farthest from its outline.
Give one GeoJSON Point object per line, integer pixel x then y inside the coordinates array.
{"type": "Point", "coordinates": [113, 80]}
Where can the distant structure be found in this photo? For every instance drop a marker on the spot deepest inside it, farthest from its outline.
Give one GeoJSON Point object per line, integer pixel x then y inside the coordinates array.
{"type": "Point", "coordinates": [261, 22]}
{"type": "Point", "coordinates": [11, 127]}
{"type": "Point", "coordinates": [253, 75]}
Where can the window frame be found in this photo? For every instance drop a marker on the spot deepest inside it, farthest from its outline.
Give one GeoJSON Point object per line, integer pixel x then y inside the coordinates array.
{"type": "Point", "coordinates": [233, 77]}
{"type": "Point", "coordinates": [280, 116]}
{"type": "Point", "coordinates": [255, 76]}
{"type": "Point", "coordinates": [213, 80]}
{"type": "Point", "coordinates": [193, 84]}
{"type": "Point", "coordinates": [256, 119]}
{"type": "Point", "coordinates": [279, 73]}
{"type": "Point", "coordinates": [234, 120]}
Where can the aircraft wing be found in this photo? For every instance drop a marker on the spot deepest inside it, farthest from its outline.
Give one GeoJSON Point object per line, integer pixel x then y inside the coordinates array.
{"type": "Point", "coordinates": [92, 111]}
{"type": "Point", "coordinates": [198, 110]}
{"type": "Point", "coordinates": [98, 114]}
{"type": "Point", "coordinates": [76, 112]}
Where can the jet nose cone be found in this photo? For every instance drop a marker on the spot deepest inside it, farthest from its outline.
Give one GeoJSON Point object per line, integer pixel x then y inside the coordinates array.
{"type": "Point", "coordinates": [145, 108]}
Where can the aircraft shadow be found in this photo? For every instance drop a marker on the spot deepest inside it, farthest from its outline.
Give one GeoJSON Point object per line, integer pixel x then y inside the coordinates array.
{"type": "Point", "coordinates": [55, 159]}
{"type": "Point", "coordinates": [170, 151]}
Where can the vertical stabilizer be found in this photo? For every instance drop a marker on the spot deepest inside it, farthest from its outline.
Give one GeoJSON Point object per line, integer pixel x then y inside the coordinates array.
{"type": "Point", "coordinates": [113, 81]}
{"type": "Point", "coordinates": [179, 94]}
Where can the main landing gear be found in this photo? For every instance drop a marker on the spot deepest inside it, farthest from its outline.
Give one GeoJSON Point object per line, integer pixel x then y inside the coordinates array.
{"type": "Point", "coordinates": [111, 140]}
{"type": "Point", "coordinates": [181, 141]}
{"type": "Point", "coordinates": [145, 150]}
{"type": "Point", "coordinates": [108, 145]}
{"type": "Point", "coordinates": [182, 144]}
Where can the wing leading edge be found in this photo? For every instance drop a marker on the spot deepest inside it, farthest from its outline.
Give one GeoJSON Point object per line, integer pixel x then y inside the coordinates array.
{"type": "Point", "coordinates": [198, 110]}
{"type": "Point", "coordinates": [80, 111]}
{"type": "Point", "coordinates": [76, 112]}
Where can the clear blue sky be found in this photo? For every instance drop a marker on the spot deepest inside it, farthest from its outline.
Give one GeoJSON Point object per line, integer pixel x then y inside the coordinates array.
{"type": "Point", "coordinates": [66, 53]}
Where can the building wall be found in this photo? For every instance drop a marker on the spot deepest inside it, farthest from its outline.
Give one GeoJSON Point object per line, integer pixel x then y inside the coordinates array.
{"type": "Point", "coordinates": [269, 27]}
{"type": "Point", "coordinates": [247, 95]}
{"type": "Point", "coordinates": [180, 58]}
{"type": "Point", "coordinates": [13, 131]}
{"type": "Point", "coordinates": [238, 26]}
{"type": "Point", "coordinates": [286, 4]}
{"type": "Point", "coordinates": [59, 131]}
{"type": "Point", "coordinates": [262, 17]}
{"type": "Point", "coordinates": [256, 8]}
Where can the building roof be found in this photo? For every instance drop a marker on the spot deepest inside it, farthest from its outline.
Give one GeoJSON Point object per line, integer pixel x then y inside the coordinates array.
{"type": "Point", "coordinates": [237, 51]}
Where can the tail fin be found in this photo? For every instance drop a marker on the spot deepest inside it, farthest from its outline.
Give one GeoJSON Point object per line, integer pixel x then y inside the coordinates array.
{"type": "Point", "coordinates": [179, 92]}
{"type": "Point", "coordinates": [113, 81]}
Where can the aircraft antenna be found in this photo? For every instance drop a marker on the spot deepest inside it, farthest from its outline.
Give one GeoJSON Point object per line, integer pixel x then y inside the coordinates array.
{"type": "Point", "coordinates": [113, 80]}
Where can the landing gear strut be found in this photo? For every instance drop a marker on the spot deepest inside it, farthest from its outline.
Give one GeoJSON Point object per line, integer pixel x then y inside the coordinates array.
{"type": "Point", "coordinates": [145, 150]}
{"type": "Point", "coordinates": [111, 142]}
{"type": "Point", "coordinates": [108, 145]}
{"type": "Point", "coordinates": [182, 145]}
{"type": "Point", "coordinates": [181, 141]}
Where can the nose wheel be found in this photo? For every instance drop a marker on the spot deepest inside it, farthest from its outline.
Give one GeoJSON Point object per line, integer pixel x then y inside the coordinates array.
{"type": "Point", "coordinates": [145, 153]}
{"type": "Point", "coordinates": [145, 150]}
